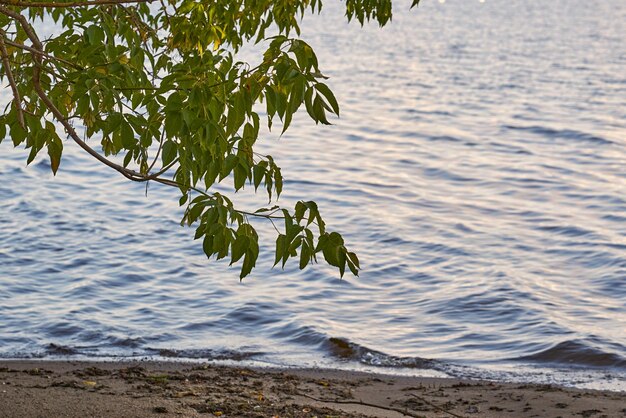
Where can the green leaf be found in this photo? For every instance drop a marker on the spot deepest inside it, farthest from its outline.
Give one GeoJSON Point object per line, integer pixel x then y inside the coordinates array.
{"type": "Point", "coordinates": [308, 101]}
{"type": "Point", "coordinates": [353, 268]}
{"type": "Point", "coordinates": [241, 175]}
{"type": "Point", "coordinates": [287, 120]}
{"type": "Point", "coordinates": [341, 259]}
{"type": "Point", "coordinates": [330, 97]}
{"type": "Point", "coordinates": [278, 179]}
{"type": "Point", "coordinates": [318, 110]}
{"type": "Point", "coordinates": [259, 171]}
{"type": "Point", "coordinates": [33, 153]}
{"type": "Point", "coordinates": [207, 245]}
{"type": "Point", "coordinates": [173, 124]}
{"type": "Point", "coordinates": [211, 175]}
{"type": "Point", "coordinates": [18, 134]}
{"type": "Point", "coordinates": [300, 210]}
{"type": "Point", "coordinates": [248, 264]}
{"type": "Point", "coordinates": [94, 35]}
{"type": "Point", "coordinates": [169, 153]}
{"type": "Point", "coordinates": [354, 259]}
{"type": "Point", "coordinates": [200, 231]}
{"type": "Point", "coordinates": [281, 245]}
{"type": "Point", "coordinates": [229, 164]}
{"type": "Point", "coordinates": [128, 158]}
{"type": "Point", "coordinates": [128, 137]}
{"type": "Point", "coordinates": [305, 255]}
{"type": "Point", "coordinates": [55, 149]}
{"type": "Point", "coordinates": [194, 213]}
{"type": "Point", "coordinates": [296, 97]}
{"type": "Point", "coordinates": [240, 246]}
{"type": "Point", "coordinates": [281, 103]}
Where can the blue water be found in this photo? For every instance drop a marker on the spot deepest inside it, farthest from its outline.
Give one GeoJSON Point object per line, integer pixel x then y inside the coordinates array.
{"type": "Point", "coordinates": [478, 168]}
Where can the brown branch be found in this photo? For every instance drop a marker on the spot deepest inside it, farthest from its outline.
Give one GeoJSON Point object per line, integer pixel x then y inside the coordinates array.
{"type": "Point", "coordinates": [37, 54]}
{"type": "Point", "coordinates": [167, 16]}
{"type": "Point", "coordinates": [156, 157]}
{"type": "Point", "coordinates": [339, 401]}
{"type": "Point", "coordinates": [42, 53]}
{"type": "Point", "coordinates": [162, 171]}
{"type": "Point", "coordinates": [24, 23]}
{"type": "Point", "coordinates": [435, 406]}
{"type": "Point", "coordinates": [176, 184]}
{"type": "Point", "coordinates": [29, 4]}
{"type": "Point", "coordinates": [7, 69]}
{"type": "Point", "coordinates": [30, 33]}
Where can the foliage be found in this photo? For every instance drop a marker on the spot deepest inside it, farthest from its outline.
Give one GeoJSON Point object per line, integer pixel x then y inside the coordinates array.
{"type": "Point", "coordinates": [157, 83]}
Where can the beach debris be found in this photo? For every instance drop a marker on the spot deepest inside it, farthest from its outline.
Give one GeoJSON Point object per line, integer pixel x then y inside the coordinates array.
{"type": "Point", "coordinates": [589, 413]}
{"type": "Point", "coordinates": [160, 379]}
{"type": "Point", "coordinates": [471, 410]}
{"type": "Point", "coordinates": [131, 372]}
{"type": "Point", "coordinates": [91, 371]}
{"type": "Point", "coordinates": [185, 393]}
{"type": "Point", "coordinates": [37, 372]}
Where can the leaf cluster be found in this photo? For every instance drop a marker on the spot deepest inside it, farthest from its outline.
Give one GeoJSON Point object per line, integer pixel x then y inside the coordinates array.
{"type": "Point", "coordinates": [158, 86]}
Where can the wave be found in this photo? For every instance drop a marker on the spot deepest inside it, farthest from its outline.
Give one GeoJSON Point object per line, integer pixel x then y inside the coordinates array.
{"type": "Point", "coordinates": [94, 352]}
{"type": "Point", "coordinates": [569, 363]}
{"type": "Point", "coordinates": [571, 354]}
{"type": "Point", "coordinates": [577, 354]}
{"type": "Point", "coordinates": [207, 354]}
{"type": "Point", "coordinates": [345, 350]}
{"type": "Point", "coordinates": [561, 134]}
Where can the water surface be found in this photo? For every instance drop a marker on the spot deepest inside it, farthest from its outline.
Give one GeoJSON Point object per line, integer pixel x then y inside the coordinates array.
{"type": "Point", "coordinates": [479, 170]}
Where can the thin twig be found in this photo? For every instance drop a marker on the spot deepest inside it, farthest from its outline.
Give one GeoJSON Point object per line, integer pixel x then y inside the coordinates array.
{"type": "Point", "coordinates": [161, 171]}
{"type": "Point", "coordinates": [43, 53]}
{"type": "Point", "coordinates": [274, 225]}
{"type": "Point", "coordinates": [174, 183]}
{"type": "Point", "coordinates": [29, 4]}
{"type": "Point", "coordinates": [156, 157]}
{"type": "Point", "coordinates": [167, 16]}
{"type": "Point", "coordinates": [339, 401]}
{"type": "Point", "coordinates": [7, 70]}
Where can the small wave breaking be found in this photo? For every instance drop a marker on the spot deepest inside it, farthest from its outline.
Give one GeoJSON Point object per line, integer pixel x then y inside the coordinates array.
{"type": "Point", "coordinates": [577, 354]}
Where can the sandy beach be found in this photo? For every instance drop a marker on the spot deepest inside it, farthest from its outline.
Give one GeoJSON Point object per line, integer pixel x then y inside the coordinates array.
{"type": "Point", "coordinates": [159, 389]}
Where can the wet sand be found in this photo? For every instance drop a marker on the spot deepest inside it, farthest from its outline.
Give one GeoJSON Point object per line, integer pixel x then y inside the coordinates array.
{"type": "Point", "coordinates": [160, 389]}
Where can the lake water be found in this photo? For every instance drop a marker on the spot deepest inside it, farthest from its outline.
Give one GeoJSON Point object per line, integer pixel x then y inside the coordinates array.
{"type": "Point", "coordinates": [478, 169]}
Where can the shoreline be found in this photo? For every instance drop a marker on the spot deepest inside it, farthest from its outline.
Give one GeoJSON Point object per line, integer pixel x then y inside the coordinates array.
{"type": "Point", "coordinates": [42, 388]}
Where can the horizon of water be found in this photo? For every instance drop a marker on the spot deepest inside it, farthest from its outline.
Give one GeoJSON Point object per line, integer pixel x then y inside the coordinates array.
{"type": "Point", "coordinates": [478, 170]}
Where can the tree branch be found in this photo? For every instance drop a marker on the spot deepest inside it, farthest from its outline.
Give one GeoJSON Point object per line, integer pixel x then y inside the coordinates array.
{"type": "Point", "coordinates": [7, 69]}
{"type": "Point", "coordinates": [29, 4]}
{"type": "Point", "coordinates": [38, 47]}
{"type": "Point", "coordinates": [37, 54]}
{"type": "Point", "coordinates": [160, 172]}
{"type": "Point", "coordinates": [156, 157]}
{"type": "Point", "coordinates": [372, 405]}
{"type": "Point", "coordinates": [42, 53]}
